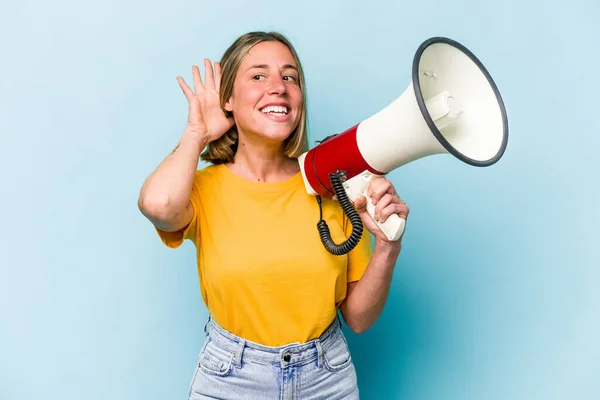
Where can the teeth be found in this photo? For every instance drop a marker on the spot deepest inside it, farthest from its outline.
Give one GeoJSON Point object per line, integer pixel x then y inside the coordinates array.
{"type": "Point", "coordinates": [275, 110]}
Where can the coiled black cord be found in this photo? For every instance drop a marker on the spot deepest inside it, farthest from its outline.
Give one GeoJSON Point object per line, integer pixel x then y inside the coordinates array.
{"type": "Point", "coordinates": [348, 208]}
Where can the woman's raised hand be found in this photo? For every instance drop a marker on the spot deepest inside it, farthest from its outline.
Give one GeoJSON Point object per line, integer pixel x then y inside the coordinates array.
{"type": "Point", "coordinates": [205, 115]}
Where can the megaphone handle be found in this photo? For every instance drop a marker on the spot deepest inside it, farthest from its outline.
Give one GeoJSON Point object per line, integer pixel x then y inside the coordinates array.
{"type": "Point", "coordinates": [392, 227]}
{"type": "Point", "coordinates": [357, 186]}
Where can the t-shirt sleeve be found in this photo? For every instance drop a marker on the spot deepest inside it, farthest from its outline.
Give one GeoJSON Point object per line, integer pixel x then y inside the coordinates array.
{"type": "Point", "coordinates": [359, 257]}
{"type": "Point", "coordinates": [190, 232]}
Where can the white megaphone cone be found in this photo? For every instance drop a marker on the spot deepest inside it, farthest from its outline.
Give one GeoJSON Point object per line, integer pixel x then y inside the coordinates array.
{"type": "Point", "coordinates": [451, 106]}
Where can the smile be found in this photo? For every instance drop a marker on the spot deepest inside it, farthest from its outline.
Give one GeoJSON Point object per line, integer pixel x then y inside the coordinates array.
{"type": "Point", "coordinates": [275, 110]}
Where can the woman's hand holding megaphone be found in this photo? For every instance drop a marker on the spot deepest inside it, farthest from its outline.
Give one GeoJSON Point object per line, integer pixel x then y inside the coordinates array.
{"type": "Point", "coordinates": [386, 206]}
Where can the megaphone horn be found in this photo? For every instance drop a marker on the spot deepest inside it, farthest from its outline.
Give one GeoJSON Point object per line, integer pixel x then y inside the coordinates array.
{"type": "Point", "coordinates": [452, 105]}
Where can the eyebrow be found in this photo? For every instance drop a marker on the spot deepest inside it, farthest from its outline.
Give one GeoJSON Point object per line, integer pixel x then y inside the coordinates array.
{"type": "Point", "coordinates": [265, 66]}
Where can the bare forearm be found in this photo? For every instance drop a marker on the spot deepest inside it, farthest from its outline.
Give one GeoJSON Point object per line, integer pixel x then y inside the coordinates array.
{"type": "Point", "coordinates": [365, 303]}
{"type": "Point", "coordinates": [166, 192]}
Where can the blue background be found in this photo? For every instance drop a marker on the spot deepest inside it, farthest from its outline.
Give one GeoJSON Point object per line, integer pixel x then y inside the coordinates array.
{"type": "Point", "coordinates": [496, 294]}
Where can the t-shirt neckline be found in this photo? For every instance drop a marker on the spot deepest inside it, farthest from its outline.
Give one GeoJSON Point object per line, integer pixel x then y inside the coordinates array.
{"type": "Point", "coordinates": [279, 186]}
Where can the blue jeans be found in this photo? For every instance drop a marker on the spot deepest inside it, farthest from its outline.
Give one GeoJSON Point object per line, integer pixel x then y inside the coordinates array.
{"type": "Point", "coordinates": [230, 367]}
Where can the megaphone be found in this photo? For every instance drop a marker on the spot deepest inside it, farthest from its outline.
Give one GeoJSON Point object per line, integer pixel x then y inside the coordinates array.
{"type": "Point", "coordinates": [452, 106]}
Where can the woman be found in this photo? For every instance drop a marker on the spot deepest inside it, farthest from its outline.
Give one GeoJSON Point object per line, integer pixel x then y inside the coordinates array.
{"type": "Point", "coordinates": [271, 289]}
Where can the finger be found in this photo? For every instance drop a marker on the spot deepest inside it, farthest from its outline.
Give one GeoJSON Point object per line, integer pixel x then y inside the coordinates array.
{"type": "Point", "coordinates": [378, 187]}
{"type": "Point", "coordinates": [360, 204]}
{"type": "Point", "coordinates": [210, 78]}
{"type": "Point", "coordinates": [217, 77]}
{"type": "Point", "coordinates": [198, 86]}
{"type": "Point", "coordinates": [385, 201]}
{"type": "Point", "coordinates": [401, 209]}
{"type": "Point", "coordinates": [185, 88]}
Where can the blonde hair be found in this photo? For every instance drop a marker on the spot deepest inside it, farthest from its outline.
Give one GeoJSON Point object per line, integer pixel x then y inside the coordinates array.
{"type": "Point", "coordinates": [223, 149]}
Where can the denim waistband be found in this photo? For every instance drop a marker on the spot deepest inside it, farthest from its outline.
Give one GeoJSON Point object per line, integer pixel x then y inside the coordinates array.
{"type": "Point", "coordinates": [287, 355]}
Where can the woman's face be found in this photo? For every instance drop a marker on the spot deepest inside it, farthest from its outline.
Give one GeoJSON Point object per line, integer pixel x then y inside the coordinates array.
{"type": "Point", "coordinates": [266, 99]}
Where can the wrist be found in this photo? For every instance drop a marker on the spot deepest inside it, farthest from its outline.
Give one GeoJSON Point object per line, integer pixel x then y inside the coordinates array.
{"type": "Point", "coordinates": [195, 138]}
{"type": "Point", "coordinates": [388, 248]}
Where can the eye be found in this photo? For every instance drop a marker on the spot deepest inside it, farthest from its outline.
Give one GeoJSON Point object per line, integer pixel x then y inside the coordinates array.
{"type": "Point", "coordinates": [290, 78]}
{"type": "Point", "coordinates": [258, 77]}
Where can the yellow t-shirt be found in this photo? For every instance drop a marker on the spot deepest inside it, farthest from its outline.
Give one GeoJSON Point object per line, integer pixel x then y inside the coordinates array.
{"type": "Point", "coordinates": [264, 273]}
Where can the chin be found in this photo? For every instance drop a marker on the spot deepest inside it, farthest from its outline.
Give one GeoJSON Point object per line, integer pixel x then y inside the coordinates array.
{"type": "Point", "coordinates": [276, 138]}
{"type": "Point", "coordinates": [275, 133]}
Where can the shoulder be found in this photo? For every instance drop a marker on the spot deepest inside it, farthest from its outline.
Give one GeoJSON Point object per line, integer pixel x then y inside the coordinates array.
{"type": "Point", "coordinates": [208, 174]}
{"type": "Point", "coordinates": [205, 181]}
{"type": "Point", "coordinates": [207, 170]}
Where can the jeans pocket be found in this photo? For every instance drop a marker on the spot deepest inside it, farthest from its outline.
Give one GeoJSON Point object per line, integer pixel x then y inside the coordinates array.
{"type": "Point", "coordinates": [337, 356]}
{"type": "Point", "coordinates": [216, 361]}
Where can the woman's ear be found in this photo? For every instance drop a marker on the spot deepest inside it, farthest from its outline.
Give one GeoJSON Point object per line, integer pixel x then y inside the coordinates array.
{"type": "Point", "coordinates": [228, 106]}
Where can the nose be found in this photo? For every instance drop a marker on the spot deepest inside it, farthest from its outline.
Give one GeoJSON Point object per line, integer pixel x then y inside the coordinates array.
{"type": "Point", "coordinates": [277, 85]}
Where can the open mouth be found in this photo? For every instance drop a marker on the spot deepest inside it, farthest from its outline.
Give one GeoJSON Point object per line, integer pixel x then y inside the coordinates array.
{"type": "Point", "coordinates": [277, 111]}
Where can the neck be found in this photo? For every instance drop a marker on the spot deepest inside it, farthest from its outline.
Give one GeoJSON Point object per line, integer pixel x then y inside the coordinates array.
{"type": "Point", "coordinates": [262, 162]}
